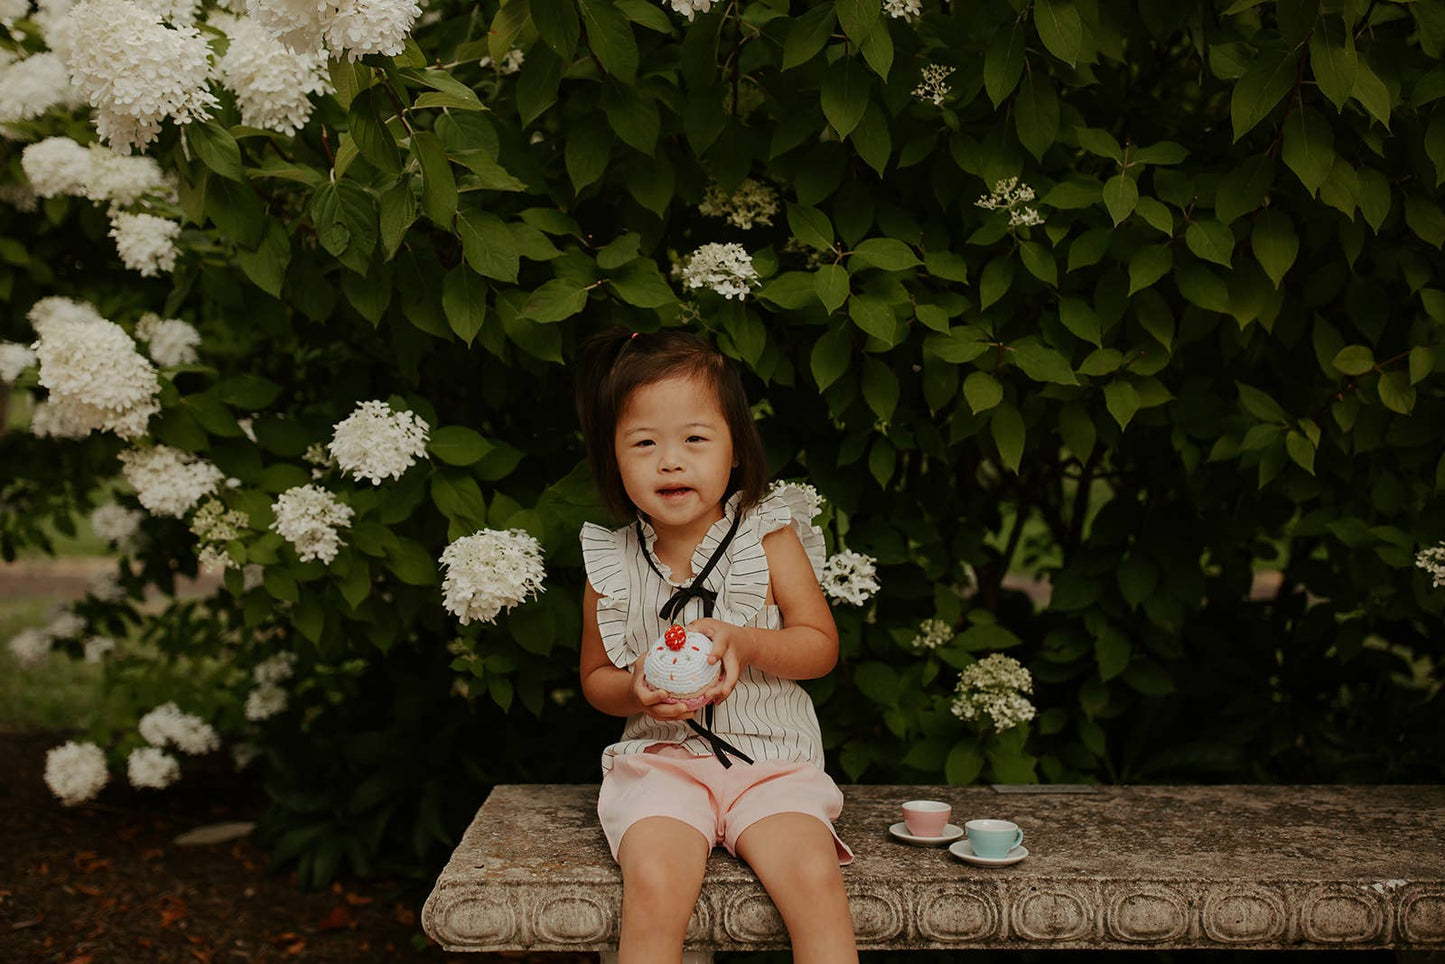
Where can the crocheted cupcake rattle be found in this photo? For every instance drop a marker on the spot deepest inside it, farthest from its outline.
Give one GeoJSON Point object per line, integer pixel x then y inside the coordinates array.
{"type": "Point", "coordinates": [678, 665]}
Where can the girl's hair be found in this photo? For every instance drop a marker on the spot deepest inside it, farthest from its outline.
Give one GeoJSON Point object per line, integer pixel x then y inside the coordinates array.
{"type": "Point", "coordinates": [615, 363]}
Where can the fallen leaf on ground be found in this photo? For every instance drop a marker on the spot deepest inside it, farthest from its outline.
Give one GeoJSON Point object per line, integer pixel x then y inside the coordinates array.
{"type": "Point", "coordinates": [172, 909]}
{"type": "Point", "coordinates": [404, 914]}
{"type": "Point", "coordinates": [88, 890]}
{"type": "Point", "coordinates": [355, 900]}
{"type": "Point", "coordinates": [155, 853]}
{"type": "Point", "coordinates": [338, 918]}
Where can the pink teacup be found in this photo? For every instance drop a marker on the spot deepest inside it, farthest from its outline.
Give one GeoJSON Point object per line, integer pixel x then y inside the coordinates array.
{"type": "Point", "coordinates": [926, 818]}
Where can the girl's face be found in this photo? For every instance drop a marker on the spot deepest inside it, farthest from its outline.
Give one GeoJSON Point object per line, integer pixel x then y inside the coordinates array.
{"type": "Point", "coordinates": [675, 451]}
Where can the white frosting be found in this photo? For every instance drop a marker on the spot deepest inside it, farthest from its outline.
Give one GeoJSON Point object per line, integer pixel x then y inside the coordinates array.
{"type": "Point", "coordinates": [682, 671]}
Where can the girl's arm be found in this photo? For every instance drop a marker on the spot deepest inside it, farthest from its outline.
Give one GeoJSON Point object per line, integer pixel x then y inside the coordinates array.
{"type": "Point", "coordinates": [617, 692]}
{"type": "Point", "coordinates": [807, 645]}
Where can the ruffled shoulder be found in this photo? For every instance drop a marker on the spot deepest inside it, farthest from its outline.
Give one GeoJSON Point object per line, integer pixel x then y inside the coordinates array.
{"type": "Point", "coordinates": [789, 504]}
{"type": "Point", "coordinates": [604, 556]}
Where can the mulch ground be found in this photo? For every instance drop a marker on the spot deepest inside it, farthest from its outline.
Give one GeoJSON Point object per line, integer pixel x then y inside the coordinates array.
{"type": "Point", "coordinates": [106, 884]}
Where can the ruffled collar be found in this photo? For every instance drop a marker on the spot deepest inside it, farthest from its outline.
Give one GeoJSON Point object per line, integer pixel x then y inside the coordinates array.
{"type": "Point", "coordinates": [703, 552]}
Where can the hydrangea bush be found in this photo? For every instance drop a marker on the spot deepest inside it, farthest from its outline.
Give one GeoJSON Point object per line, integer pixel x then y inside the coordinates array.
{"type": "Point", "coordinates": [1133, 298]}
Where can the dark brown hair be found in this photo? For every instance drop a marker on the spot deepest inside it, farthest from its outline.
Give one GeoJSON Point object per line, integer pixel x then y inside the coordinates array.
{"type": "Point", "coordinates": [614, 363]}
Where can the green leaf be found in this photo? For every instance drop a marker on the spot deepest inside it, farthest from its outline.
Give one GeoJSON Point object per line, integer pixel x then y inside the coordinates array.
{"type": "Point", "coordinates": [1099, 143]}
{"type": "Point", "coordinates": [1424, 218]}
{"type": "Point", "coordinates": [998, 276]}
{"type": "Point", "coordinates": [1003, 62]}
{"type": "Point", "coordinates": [982, 391]}
{"type": "Point", "coordinates": [1102, 361]}
{"type": "Point", "coordinates": [1149, 263]}
{"type": "Point", "coordinates": [642, 285]}
{"type": "Point", "coordinates": [1396, 393]}
{"type": "Point", "coordinates": [1148, 677]}
{"type": "Point", "coordinates": [411, 563]}
{"type": "Point", "coordinates": [872, 315]}
{"type": "Point", "coordinates": [1301, 450]}
{"type": "Point", "coordinates": [439, 185]}
{"type": "Point", "coordinates": [946, 265]}
{"type": "Point", "coordinates": [871, 138]}
{"type": "Point", "coordinates": [1371, 91]}
{"type": "Point", "coordinates": [458, 445]}
{"type": "Point", "coordinates": [878, 682]}
{"type": "Point", "coordinates": [464, 302]}
{"type": "Point", "coordinates": [880, 387]}
{"type": "Point", "coordinates": [830, 357]}
{"type": "Point", "coordinates": [858, 18]}
{"type": "Point", "coordinates": [556, 23]}
{"type": "Point", "coordinates": [1435, 145]}
{"type": "Point", "coordinates": [488, 246]}
{"type": "Point", "coordinates": [810, 226]}
{"type": "Point", "coordinates": [1260, 404]}
{"type": "Point", "coordinates": [878, 51]}
{"type": "Point", "coordinates": [1081, 320]}
{"type": "Point", "coordinates": [845, 94]}
{"type": "Point", "coordinates": [610, 36]}
{"type": "Point", "coordinates": [1244, 187]}
{"type": "Point", "coordinates": [1309, 147]}
{"type": "Point", "coordinates": [1354, 360]}
{"type": "Point", "coordinates": [1120, 196]}
{"type": "Point", "coordinates": [1042, 363]}
{"type": "Point", "coordinates": [1211, 240]}
{"type": "Point", "coordinates": [1060, 28]}
{"type": "Point", "coordinates": [266, 265]}
{"type": "Point", "coordinates": [1334, 65]}
{"type": "Point", "coordinates": [1156, 214]}
{"type": "Point", "coordinates": [398, 213]}
{"type": "Point", "coordinates": [1274, 243]}
{"type": "Point", "coordinates": [1040, 262]}
{"type": "Point", "coordinates": [589, 146]}
{"type": "Point", "coordinates": [556, 300]}
{"type": "Point", "coordinates": [1422, 363]}
{"type": "Point", "coordinates": [1122, 400]}
{"type": "Point", "coordinates": [370, 132]}
{"type": "Point", "coordinates": [1089, 248]}
{"type": "Point", "coordinates": [216, 148]}
{"type": "Point", "coordinates": [1112, 651]}
{"type": "Point", "coordinates": [1270, 77]}
{"type": "Point", "coordinates": [808, 35]}
{"type": "Point", "coordinates": [1007, 427]}
{"type": "Point", "coordinates": [831, 282]}
{"type": "Point", "coordinates": [1036, 114]}
{"type": "Point", "coordinates": [964, 764]}
{"type": "Point", "coordinates": [1077, 430]}
{"type": "Point", "coordinates": [886, 253]}
{"type": "Point", "coordinates": [1202, 287]}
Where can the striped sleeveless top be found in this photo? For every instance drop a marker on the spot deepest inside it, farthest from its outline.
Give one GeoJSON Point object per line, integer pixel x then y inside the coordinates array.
{"type": "Point", "coordinates": [766, 717]}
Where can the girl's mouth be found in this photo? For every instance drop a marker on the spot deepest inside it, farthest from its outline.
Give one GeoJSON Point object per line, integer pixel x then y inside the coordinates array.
{"type": "Point", "coordinates": [675, 493]}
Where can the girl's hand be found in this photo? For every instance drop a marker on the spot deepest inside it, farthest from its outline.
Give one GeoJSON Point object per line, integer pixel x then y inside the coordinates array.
{"type": "Point", "coordinates": [730, 646]}
{"type": "Point", "coordinates": [656, 703]}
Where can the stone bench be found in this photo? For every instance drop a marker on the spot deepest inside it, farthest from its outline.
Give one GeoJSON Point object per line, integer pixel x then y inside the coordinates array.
{"type": "Point", "coordinates": [1260, 867]}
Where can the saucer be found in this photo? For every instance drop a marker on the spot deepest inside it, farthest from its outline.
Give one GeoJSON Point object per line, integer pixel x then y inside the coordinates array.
{"type": "Point", "coordinates": [963, 850]}
{"type": "Point", "coordinates": [950, 832]}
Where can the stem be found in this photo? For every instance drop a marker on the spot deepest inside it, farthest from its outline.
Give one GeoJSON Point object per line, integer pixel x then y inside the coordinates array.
{"type": "Point", "coordinates": [396, 102]}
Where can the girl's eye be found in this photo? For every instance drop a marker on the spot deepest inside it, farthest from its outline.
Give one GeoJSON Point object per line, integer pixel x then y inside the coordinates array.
{"type": "Point", "coordinates": [698, 437]}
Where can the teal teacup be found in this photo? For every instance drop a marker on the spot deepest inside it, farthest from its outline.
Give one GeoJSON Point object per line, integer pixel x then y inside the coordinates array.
{"type": "Point", "coordinates": [993, 838]}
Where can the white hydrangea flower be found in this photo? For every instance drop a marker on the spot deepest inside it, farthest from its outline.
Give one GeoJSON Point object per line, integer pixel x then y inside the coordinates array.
{"type": "Point", "coordinates": [53, 16]}
{"type": "Point", "coordinates": [373, 442]}
{"type": "Point", "coordinates": [14, 359]}
{"type": "Point", "coordinates": [104, 586]}
{"type": "Point", "coordinates": [934, 85]}
{"type": "Point", "coordinates": [273, 83]}
{"type": "Point", "coordinates": [56, 166]}
{"type": "Point", "coordinates": [13, 10]}
{"type": "Point", "coordinates": [30, 87]}
{"type": "Point", "coordinates": [169, 725]}
{"type": "Point", "coordinates": [171, 11]}
{"type": "Point", "coordinates": [55, 421]}
{"type": "Point", "coordinates": [20, 195]}
{"type": "Point", "coordinates": [993, 688]}
{"type": "Point", "coordinates": [247, 427]}
{"type": "Point", "coordinates": [172, 341]}
{"type": "Point", "coordinates": [151, 767]}
{"type": "Point", "coordinates": [145, 242]}
{"type": "Point", "coordinates": [691, 8]}
{"type": "Point", "coordinates": [96, 647]}
{"type": "Point", "coordinates": [30, 647]}
{"type": "Point", "coordinates": [1011, 196]}
{"type": "Point", "coordinates": [1432, 560]}
{"type": "Point", "coordinates": [65, 624]}
{"type": "Point", "coordinates": [932, 633]}
{"type": "Point", "coordinates": [812, 496]}
{"type": "Point", "coordinates": [213, 522]}
{"type": "Point", "coordinates": [95, 375]}
{"type": "Point", "coordinates": [905, 10]}
{"type": "Point", "coordinates": [55, 308]}
{"type": "Point", "coordinates": [75, 772]}
{"type": "Point", "coordinates": [265, 701]}
{"type": "Point", "coordinates": [317, 454]}
{"type": "Point", "coordinates": [490, 570]}
{"type": "Point", "coordinates": [511, 62]}
{"type": "Point", "coordinates": [274, 669]}
{"type": "Point", "coordinates": [307, 516]}
{"type": "Point", "coordinates": [115, 523]}
{"type": "Point", "coordinates": [253, 574]}
{"type": "Point", "coordinates": [850, 577]}
{"type": "Point", "coordinates": [136, 72]}
{"type": "Point", "coordinates": [353, 28]}
{"type": "Point", "coordinates": [121, 178]}
{"type": "Point", "coordinates": [725, 268]}
{"type": "Point", "coordinates": [752, 203]}
{"type": "Point", "coordinates": [168, 481]}
{"type": "Point", "coordinates": [244, 754]}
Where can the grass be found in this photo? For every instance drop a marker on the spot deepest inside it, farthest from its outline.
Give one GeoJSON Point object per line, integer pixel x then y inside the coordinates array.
{"type": "Point", "coordinates": [59, 694]}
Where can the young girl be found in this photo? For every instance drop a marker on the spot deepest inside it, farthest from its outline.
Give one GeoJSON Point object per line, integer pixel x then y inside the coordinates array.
{"type": "Point", "coordinates": [672, 445]}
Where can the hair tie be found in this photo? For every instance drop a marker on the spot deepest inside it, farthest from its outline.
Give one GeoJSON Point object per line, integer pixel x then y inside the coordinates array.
{"type": "Point", "coordinates": [635, 334]}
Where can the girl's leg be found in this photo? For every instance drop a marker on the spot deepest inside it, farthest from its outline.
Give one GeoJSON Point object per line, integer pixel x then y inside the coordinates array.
{"type": "Point", "coordinates": [662, 861]}
{"type": "Point", "coordinates": [794, 857]}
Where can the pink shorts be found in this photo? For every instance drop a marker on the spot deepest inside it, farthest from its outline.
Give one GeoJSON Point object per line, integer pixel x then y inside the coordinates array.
{"type": "Point", "coordinates": [667, 781]}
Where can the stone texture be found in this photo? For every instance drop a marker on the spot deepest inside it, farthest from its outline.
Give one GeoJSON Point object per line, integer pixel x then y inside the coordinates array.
{"type": "Point", "coordinates": [1123, 867]}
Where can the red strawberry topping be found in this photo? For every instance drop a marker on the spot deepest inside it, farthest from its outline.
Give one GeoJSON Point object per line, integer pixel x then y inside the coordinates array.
{"type": "Point", "coordinates": [675, 637]}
